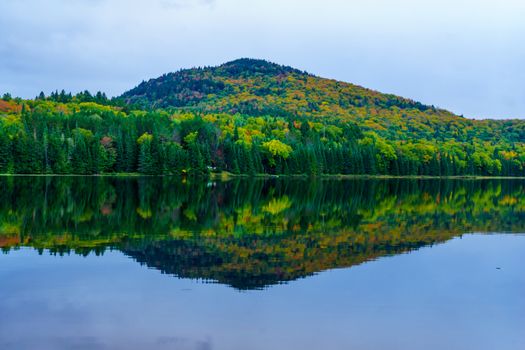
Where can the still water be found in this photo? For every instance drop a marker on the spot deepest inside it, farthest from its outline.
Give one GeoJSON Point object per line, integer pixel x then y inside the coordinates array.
{"type": "Point", "coordinates": [154, 263]}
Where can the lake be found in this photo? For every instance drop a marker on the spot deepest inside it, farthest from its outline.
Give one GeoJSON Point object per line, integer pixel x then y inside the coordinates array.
{"type": "Point", "coordinates": [160, 263]}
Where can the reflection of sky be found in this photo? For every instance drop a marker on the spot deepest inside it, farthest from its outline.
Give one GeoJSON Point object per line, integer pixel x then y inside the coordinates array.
{"type": "Point", "coordinates": [450, 296]}
{"type": "Point", "coordinates": [463, 55]}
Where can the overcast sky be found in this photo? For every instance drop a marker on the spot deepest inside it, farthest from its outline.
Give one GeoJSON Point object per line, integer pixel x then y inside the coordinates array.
{"type": "Point", "coordinates": [467, 56]}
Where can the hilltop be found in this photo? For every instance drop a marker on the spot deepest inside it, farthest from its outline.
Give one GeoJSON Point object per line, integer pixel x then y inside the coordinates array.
{"type": "Point", "coordinates": [254, 87]}
{"type": "Point", "coordinates": [258, 87]}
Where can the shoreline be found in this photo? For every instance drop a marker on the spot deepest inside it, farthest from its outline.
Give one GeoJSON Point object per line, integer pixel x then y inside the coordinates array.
{"type": "Point", "coordinates": [229, 176]}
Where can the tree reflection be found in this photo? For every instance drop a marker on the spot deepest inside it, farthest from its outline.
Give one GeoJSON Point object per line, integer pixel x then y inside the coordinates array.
{"type": "Point", "coordinates": [250, 234]}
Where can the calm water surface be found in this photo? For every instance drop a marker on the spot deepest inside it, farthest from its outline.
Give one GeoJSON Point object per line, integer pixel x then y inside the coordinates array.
{"type": "Point", "coordinates": [147, 263]}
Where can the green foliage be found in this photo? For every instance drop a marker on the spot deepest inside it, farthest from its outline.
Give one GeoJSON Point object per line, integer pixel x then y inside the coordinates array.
{"type": "Point", "coordinates": [276, 150]}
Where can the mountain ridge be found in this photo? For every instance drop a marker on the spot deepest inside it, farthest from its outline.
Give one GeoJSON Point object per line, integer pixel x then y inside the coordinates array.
{"type": "Point", "coordinates": [210, 89]}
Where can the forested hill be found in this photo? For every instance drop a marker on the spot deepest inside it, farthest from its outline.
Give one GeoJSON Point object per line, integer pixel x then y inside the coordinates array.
{"type": "Point", "coordinates": [256, 88]}
{"type": "Point", "coordinates": [252, 87]}
{"type": "Point", "coordinates": [251, 117]}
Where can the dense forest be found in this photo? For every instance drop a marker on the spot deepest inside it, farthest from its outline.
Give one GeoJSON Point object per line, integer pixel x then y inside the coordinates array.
{"type": "Point", "coordinates": [250, 233]}
{"type": "Point", "coordinates": [250, 117]}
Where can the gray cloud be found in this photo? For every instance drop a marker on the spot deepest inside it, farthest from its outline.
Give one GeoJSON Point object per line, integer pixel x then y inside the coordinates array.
{"type": "Point", "coordinates": [464, 55]}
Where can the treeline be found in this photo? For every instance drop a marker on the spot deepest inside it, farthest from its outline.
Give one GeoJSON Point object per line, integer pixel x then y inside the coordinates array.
{"type": "Point", "coordinates": [83, 96]}
{"type": "Point", "coordinates": [99, 97]}
{"type": "Point", "coordinates": [44, 137]}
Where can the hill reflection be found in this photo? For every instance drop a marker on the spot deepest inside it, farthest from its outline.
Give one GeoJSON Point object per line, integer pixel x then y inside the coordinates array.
{"type": "Point", "coordinates": [250, 234]}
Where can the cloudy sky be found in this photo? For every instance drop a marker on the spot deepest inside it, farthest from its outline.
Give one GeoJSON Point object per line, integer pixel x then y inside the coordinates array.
{"type": "Point", "coordinates": [467, 56]}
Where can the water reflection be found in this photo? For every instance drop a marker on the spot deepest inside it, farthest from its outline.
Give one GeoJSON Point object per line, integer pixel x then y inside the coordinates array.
{"type": "Point", "coordinates": [250, 234]}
